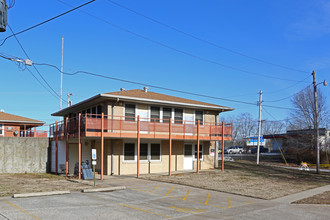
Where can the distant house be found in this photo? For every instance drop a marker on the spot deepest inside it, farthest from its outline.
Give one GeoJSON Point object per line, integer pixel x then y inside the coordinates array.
{"type": "Point", "coordinates": [299, 139]}
{"type": "Point", "coordinates": [138, 131]}
{"type": "Point", "coordinates": [18, 126]}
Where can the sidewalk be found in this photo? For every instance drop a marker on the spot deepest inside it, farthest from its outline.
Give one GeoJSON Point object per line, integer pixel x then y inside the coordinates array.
{"type": "Point", "coordinates": [302, 195]}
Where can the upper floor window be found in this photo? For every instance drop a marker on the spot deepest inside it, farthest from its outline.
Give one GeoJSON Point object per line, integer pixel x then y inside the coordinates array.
{"type": "Point", "coordinates": [199, 116]}
{"type": "Point", "coordinates": [178, 116]}
{"type": "Point", "coordinates": [1, 129]}
{"type": "Point", "coordinates": [155, 114]}
{"type": "Point", "coordinates": [167, 114]}
{"type": "Point", "coordinates": [129, 112]}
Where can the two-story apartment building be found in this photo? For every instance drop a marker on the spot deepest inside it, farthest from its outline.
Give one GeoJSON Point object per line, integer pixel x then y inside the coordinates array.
{"type": "Point", "coordinates": [138, 131]}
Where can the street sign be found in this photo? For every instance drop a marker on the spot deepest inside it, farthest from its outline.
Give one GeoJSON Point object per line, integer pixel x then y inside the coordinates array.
{"type": "Point", "coordinates": [93, 154]}
{"type": "Point", "coordinates": [93, 162]}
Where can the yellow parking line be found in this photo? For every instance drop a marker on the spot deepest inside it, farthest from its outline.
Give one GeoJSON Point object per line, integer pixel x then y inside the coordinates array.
{"type": "Point", "coordinates": [185, 197]}
{"type": "Point", "coordinates": [229, 203]}
{"type": "Point", "coordinates": [154, 189]}
{"type": "Point", "coordinates": [132, 207]}
{"type": "Point", "coordinates": [140, 190]}
{"type": "Point", "coordinates": [169, 191]}
{"type": "Point", "coordinates": [22, 210]}
{"type": "Point", "coordinates": [207, 199]}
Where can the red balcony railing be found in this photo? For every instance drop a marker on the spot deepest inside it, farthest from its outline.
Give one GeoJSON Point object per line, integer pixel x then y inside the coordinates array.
{"type": "Point", "coordinates": [123, 126]}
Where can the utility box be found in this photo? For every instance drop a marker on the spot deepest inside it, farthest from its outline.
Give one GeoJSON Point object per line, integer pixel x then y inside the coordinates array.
{"type": "Point", "coordinates": [3, 15]}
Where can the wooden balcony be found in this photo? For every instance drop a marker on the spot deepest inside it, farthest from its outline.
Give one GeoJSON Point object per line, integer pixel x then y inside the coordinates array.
{"type": "Point", "coordinates": [90, 125]}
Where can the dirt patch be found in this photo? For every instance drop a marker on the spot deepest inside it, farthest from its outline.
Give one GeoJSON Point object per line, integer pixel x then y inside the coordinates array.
{"type": "Point", "coordinates": [323, 199]}
{"type": "Point", "coordinates": [246, 178]}
{"type": "Point", "coordinates": [26, 183]}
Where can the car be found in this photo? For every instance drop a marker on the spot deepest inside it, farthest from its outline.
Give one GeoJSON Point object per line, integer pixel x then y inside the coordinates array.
{"type": "Point", "coordinates": [262, 150]}
{"type": "Point", "coordinates": [234, 150]}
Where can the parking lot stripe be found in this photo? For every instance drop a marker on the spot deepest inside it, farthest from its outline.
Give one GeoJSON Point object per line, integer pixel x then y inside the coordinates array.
{"type": "Point", "coordinates": [132, 207]}
{"type": "Point", "coordinates": [22, 210]}
{"type": "Point", "coordinates": [185, 197]}
{"type": "Point", "coordinates": [207, 199]}
{"type": "Point", "coordinates": [229, 203]}
{"type": "Point", "coordinates": [154, 189]}
{"type": "Point", "coordinates": [169, 191]}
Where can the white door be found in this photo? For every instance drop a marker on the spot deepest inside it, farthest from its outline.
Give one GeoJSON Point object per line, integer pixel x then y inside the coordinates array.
{"type": "Point", "coordinates": [188, 157]}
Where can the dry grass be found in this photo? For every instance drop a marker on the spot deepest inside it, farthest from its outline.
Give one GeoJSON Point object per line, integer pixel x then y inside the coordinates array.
{"type": "Point", "coordinates": [323, 199]}
{"type": "Point", "coordinates": [246, 178]}
{"type": "Point", "coordinates": [25, 183]}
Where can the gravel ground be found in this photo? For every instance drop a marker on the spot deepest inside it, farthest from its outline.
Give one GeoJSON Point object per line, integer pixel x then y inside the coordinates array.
{"type": "Point", "coordinates": [246, 178]}
{"type": "Point", "coordinates": [25, 183]}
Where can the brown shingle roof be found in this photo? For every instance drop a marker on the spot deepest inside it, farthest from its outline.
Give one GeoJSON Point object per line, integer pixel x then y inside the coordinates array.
{"type": "Point", "coordinates": [6, 117]}
{"type": "Point", "coordinates": [138, 93]}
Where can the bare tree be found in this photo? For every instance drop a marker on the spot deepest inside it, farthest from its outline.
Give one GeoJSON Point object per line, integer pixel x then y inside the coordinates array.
{"type": "Point", "coordinates": [273, 127]}
{"type": "Point", "coordinates": [303, 117]}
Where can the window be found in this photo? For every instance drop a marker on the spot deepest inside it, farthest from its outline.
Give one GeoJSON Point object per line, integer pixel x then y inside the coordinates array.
{"type": "Point", "coordinates": [99, 111]}
{"type": "Point", "coordinates": [178, 116]}
{"type": "Point", "coordinates": [167, 113]}
{"type": "Point", "coordinates": [1, 129]}
{"type": "Point", "coordinates": [199, 116]}
{"type": "Point", "coordinates": [143, 151]}
{"type": "Point", "coordinates": [129, 112]}
{"type": "Point", "coordinates": [94, 112]}
{"type": "Point", "coordinates": [200, 152]}
{"type": "Point", "coordinates": [129, 151]}
{"type": "Point", "coordinates": [155, 114]}
{"type": "Point", "coordinates": [155, 151]}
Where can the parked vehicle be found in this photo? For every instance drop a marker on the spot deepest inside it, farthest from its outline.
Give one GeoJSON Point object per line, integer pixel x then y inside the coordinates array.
{"type": "Point", "coordinates": [262, 150]}
{"type": "Point", "coordinates": [234, 150]}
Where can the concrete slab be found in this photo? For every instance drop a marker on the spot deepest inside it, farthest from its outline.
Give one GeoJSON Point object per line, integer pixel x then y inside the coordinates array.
{"type": "Point", "coordinates": [26, 195]}
{"type": "Point", "coordinates": [107, 189]}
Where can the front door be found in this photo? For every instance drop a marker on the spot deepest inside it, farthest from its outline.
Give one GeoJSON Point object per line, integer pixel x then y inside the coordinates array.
{"type": "Point", "coordinates": [188, 157]}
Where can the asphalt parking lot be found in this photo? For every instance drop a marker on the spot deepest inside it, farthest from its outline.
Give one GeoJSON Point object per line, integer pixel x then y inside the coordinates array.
{"type": "Point", "coordinates": [148, 200]}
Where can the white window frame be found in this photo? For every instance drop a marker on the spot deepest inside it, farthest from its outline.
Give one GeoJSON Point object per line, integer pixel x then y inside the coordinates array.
{"type": "Point", "coordinates": [2, 128]}
{"type": "Point", "coordinates": [148, 153]}
{"type": "Point", "coordinates": [135, 153]}
{"type": "Point", "coordinates": [203, 116]}
{"type": "Point", "coordinates": [193, 150]}
{"type": "Point", "coordinates": [135, 109]}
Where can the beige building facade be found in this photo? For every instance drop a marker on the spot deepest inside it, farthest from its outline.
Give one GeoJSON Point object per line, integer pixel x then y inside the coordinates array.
{"type": "Point", "coordinates": [165, 130]}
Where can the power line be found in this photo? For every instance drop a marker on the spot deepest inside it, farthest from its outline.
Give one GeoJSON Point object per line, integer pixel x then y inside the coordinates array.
{"type": "Point", "coordinates": [179, 50]}
{"type": "Point", "coordinates": [203, 40]}
{"type": "Point", "coordinates": [278, 100]}
{"type": "Point", "coordinates": [157, 87]}
{"type": "Point", "coordinates": [44, 22]}
{"type": "Point", "coordinates": [33, 64]}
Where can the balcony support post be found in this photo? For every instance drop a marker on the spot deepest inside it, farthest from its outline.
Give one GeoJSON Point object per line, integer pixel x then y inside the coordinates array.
{"type": "Point", "coordinates": [223, 148]}
{"type": "Point", "coordinates": [198, 146]}
{"type": "Point", "coordinates": [170, 147]}
{"type": "Point", "coordinates": [66, 147]}
{"type": "Point", "coordinates": [102, 145]}
{"type": "Point", "coordinates": [138, 147]}
{"type": "Point", "coordinates": [56, 148]}
{"type": "Point", "coordinates": [79, 146]}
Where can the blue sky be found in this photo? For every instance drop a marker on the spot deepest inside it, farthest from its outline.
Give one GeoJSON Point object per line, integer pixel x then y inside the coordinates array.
{"type": "Point", "coordinates": [293, 34]}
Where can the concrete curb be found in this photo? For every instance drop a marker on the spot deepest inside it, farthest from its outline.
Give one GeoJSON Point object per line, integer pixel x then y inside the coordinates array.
{"type": "Point", "coordinates": [26, 195]}
{"type": "Point", "coordinates": [107, 189]}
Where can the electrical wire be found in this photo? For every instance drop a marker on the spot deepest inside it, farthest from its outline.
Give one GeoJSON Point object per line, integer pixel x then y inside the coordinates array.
{"type": "Point", "coordinates": [157, 87]}
{"type": "Point", "coordinates": [203, 40]}
{"type": "Point", "coordinates": [278, 100]}
{"type": "Point", "coordinates": [44, 22]}
{"type": "Point", "coordinates": [54, 92]}
{"type": "Point", "coordinates": [179, 50]}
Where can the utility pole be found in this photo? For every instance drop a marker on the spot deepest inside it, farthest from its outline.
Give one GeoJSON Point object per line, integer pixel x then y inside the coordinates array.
{"type": "Point", "coordinates": [69, 101]}
{"type": "Point", "coordinates": [259, 126]}
{"type": "Point", "coordinates": [61, 93]}
{"type": "Point", "coordinates": [316, 125]}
